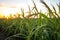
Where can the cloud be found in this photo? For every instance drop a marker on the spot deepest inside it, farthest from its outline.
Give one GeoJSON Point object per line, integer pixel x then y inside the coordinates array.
{"type": "Point", "coordinates": [2, 4]}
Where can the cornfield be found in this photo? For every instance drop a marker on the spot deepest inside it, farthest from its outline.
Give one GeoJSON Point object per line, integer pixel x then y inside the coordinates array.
{"type": "Point", "coordinates": [44, 27]}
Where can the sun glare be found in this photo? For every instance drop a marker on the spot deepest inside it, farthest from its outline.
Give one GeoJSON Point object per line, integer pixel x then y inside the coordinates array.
{"type": "Point", "coordinates": [6, 11]}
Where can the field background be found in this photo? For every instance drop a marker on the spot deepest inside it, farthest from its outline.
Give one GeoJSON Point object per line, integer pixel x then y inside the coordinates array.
{"type": "Point", "coordinates": [36, 26]}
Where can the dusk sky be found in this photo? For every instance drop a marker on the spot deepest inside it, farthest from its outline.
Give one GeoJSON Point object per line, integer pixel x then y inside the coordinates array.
{"type": "Point", "coordinates": [15, 5]}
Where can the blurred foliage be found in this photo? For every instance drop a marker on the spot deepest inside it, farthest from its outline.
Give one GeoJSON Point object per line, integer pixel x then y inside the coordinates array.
{"type": "Point", "coordinates": [42, 28]}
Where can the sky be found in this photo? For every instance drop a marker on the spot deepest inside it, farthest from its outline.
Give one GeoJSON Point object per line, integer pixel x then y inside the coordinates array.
{"type": "Point", "coordinates": [16, 5]}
